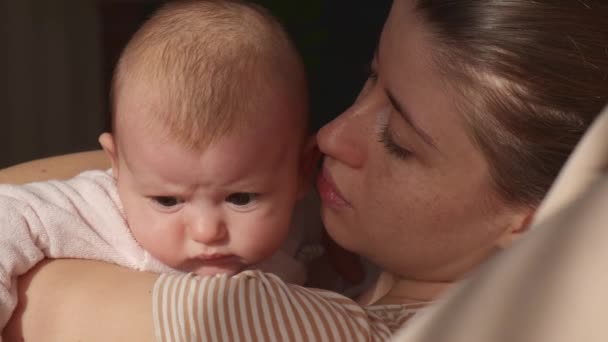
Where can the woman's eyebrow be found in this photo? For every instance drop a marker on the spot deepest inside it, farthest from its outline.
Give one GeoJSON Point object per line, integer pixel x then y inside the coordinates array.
{"type": "Point", "coordinates": [408, 119]}
{"type": "Point", "coordinates": [404, 113]}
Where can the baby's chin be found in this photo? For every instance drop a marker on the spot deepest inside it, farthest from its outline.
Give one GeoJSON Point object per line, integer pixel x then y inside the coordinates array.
{"type": "Point", "coordinates": [229, 265]}
{"type": "Point", "coordinates": [209, 270]}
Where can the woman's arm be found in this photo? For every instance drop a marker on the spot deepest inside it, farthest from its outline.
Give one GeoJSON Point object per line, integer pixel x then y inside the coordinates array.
{"type": "Point", "coordinates": [78, 300]}
{"type": "Point", "coordinates": [61, 167]}
{"type": "Point", "coordinates": [75, 300]}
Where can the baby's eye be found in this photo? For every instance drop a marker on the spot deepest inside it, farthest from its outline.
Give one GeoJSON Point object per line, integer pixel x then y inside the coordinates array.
{"type": "Point", "coordinates": [167, 201]}
{"type": "Point", "coordinates": [241, 198]}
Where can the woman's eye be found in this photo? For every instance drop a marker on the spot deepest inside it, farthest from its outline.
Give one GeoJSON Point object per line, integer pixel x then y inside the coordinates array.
{"type": "Point", "coordinates": [167, 201]}
{"type": "Point", "coordinates": [391, 146]}
{"type": "Point", "coordinates": [241, 198]}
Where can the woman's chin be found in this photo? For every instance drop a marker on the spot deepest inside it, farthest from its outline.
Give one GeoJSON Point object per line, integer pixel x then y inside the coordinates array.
{"type": "Point", "coordinates": [338, 228]}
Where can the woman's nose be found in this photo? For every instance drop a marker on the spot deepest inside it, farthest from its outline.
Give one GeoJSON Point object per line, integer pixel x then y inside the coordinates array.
{"type": "Point", "coordinates": [207, 229]}
{"type": "Point", "coordinates": [343, 139]}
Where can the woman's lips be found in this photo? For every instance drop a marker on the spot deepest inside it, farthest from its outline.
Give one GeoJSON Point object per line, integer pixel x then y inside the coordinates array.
{"type": "Point", "coordinates": [328, 191]}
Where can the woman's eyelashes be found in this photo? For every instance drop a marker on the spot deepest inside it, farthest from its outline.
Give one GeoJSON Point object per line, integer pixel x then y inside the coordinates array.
{"type": "Point", "coordinates": [393, 148]}
{"type": "Point", "coordinates": [384, 136]}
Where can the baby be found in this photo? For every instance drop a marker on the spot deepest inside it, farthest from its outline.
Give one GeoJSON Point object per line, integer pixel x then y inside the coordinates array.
{"type": "Point", "coordinates": [209, 155]}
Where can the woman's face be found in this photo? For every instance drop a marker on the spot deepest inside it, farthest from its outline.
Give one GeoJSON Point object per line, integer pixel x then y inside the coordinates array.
{"type": "Point", "coordinates": [402, 182]}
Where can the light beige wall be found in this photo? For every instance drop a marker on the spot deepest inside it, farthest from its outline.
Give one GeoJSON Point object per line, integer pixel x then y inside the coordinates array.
{"type": "Point", "coordinates": [51, 97]}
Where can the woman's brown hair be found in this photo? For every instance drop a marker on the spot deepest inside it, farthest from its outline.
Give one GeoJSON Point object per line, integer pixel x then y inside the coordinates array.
{"type": "Point", "coordinates": [531, 75]}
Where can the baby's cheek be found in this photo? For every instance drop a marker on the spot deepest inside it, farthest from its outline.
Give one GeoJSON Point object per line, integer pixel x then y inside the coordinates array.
{"type": "Point", "coordinates": [158, 236]}
{"type": "Point", "coordinates": [136, 224]}
{"type": "Point", "coordinates": [266, 239]}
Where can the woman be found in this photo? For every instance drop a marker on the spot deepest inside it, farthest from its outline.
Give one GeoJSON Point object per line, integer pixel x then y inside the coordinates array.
{"type": "Point", "coordinates": [470, 111]}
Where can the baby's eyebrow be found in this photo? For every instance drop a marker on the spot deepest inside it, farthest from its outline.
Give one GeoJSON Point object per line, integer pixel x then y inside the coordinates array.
{"type": "Point", "coordinates": [160, 187]}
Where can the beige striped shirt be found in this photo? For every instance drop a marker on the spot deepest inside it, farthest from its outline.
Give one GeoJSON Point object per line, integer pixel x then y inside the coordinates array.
{"type": "Point", "coordinates": [257, 306]}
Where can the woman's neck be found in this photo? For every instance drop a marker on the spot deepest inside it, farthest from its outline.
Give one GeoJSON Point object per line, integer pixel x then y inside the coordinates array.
{"type": "Point", "coordinates": [391, 289]}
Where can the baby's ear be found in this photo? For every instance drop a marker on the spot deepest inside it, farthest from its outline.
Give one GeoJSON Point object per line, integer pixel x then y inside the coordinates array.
{"type": "Point", "coordinates": [309, 160]}
{"type": "Point", "coordinates": [107, 142]}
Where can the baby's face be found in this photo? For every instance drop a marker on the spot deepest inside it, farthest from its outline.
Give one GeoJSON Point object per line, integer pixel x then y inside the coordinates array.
{"type": "Point", "coordinates": [211, 211]}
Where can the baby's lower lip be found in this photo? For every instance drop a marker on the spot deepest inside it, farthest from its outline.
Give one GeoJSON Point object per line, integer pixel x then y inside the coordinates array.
{"type": "Point", "coordinates": [215, 257]}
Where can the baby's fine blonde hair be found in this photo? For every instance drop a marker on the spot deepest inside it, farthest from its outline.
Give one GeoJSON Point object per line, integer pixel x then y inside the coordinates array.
{"type": "Point", "coordinates": [212, 62]}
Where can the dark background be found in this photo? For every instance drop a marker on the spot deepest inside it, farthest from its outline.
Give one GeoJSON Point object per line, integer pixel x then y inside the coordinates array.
{"type": "Point", "coordinates": [60, 56]}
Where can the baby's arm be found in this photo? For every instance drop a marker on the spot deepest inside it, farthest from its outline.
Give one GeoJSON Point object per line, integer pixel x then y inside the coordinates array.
{"type": "Point", "coordinates": [83, 218]}
{"type": "Point", "coordinates": [79, 218]}
{"type": "Point", "coordinates": [18, 251]}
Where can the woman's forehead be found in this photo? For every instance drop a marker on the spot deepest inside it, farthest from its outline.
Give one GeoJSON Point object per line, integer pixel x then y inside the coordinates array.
{"type": "Point", "coordinates": [409, 73]}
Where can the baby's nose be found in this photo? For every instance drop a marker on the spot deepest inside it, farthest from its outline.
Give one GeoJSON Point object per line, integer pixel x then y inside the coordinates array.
{"type": "Point", "coordinates": [208, 230]}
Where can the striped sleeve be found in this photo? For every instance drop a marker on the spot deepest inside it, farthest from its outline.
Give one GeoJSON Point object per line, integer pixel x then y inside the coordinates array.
{"type": "Point", "coordinates": [257, 306]}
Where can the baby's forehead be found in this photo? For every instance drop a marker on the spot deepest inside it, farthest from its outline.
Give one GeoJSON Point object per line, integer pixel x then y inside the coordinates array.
{"type": "Point", "coordinates": [259, 131]}
{"type": "Point", "coordinates": [233, 162]}
{"type": "Point", "coordinates": [199, 126]}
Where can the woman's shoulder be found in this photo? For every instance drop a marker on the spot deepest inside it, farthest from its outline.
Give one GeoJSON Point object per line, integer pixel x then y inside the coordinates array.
{"type": "Point", "coordinates": [395, 316]}
{"type": "Point", "coordinates": [262, 302]}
